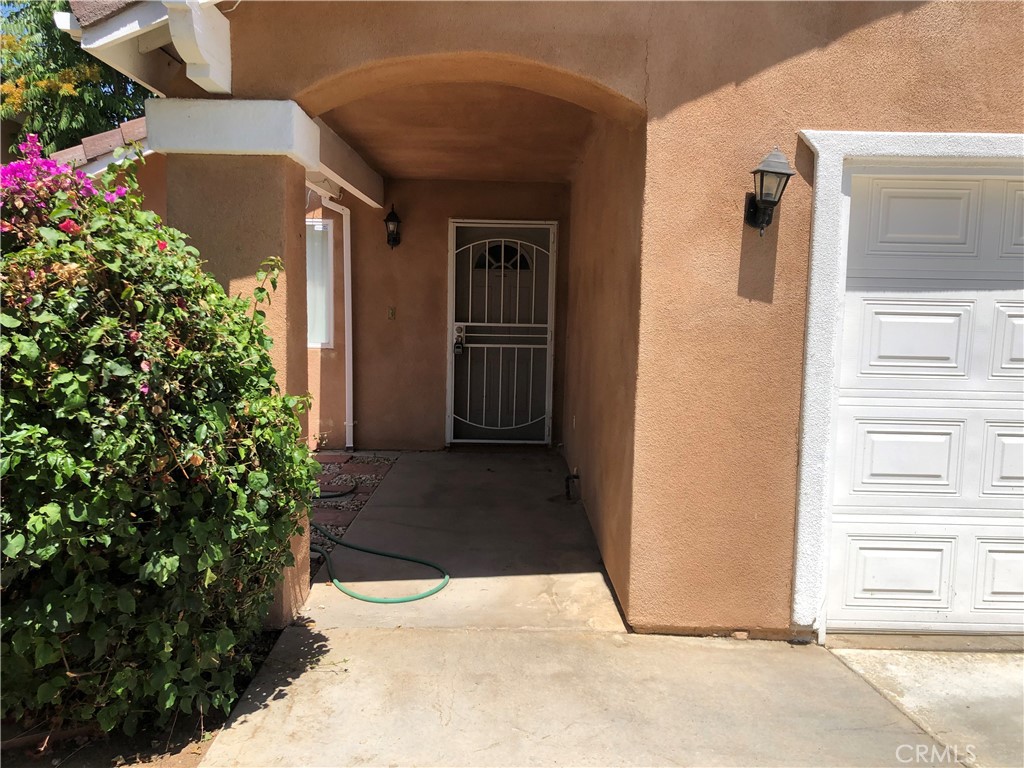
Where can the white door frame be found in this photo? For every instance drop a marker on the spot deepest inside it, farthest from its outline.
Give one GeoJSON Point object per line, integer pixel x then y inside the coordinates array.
{"type": "Point", "coordinates": [836, 154]}
{"type": "Point", "coordinates": [552, 227]}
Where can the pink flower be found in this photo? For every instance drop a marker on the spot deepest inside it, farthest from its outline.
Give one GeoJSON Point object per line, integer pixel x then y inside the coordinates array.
{"type": "Point", "coordinates": [109, 197]}
{"type": "Point", "coordinates": [120, 191]}
{"type": "Point", "coordinates": [144, 389]}
{"type": "Point", "coordinates": [134, 336]}
{"type": "Point", "coordinates": [31, 274]}
{"type": "Point", "coordinates": [145, 365]}
{"type": "Point", "coordinates": [161, 245]}
{"type": "Point", "coordinates": [69, 227]}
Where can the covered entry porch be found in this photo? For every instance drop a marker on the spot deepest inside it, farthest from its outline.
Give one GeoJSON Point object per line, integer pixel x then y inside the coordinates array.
{"type": "Point", "coordinates": [519, 552]}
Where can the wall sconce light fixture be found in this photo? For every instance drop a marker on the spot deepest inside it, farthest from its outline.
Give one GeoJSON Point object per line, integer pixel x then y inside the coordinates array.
{"type": "Point", "coordinates": [393, 224]}
{"type": "Point", "coordinates": [770, 179]}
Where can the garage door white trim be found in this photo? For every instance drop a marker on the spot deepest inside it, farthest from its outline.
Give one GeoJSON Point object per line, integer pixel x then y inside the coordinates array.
{"type": "Point", "coordinates": [836, 154]}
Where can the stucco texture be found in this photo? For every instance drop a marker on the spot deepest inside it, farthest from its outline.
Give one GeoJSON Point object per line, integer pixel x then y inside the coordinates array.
{"type": "Point", "coordinates": [258, 205]}
{"type": "Point", "coordinates": [602, 308]}
{"type": "Point", "coordinates": [684, 353]}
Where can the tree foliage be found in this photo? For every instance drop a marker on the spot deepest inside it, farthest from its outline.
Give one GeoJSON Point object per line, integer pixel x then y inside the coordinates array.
{"type": "Point", "coordinates": [60, 91]}
{"type": "Point", "coordinates": [152, 472]}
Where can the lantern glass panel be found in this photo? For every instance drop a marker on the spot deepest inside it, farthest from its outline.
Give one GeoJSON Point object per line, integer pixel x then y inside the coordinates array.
{"type": "Point", "coordinates": [772, 185]}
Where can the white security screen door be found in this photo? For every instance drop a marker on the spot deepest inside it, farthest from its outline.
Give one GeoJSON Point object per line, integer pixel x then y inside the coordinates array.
{"type": "Point", "coordinates": [501, 314]}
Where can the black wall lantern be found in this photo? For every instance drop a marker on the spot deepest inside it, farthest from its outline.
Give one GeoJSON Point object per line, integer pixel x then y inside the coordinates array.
{"type": "Point", "coordinates": [393, 223]}
{"type": "Point", "coordinates": [770, 179]}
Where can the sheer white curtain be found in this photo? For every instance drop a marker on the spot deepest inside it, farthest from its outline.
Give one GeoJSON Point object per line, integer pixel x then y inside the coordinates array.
{"type": "Point", "coordinates": [319, 274]}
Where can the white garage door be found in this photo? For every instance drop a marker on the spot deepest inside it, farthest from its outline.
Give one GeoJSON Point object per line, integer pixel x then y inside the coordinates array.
{"type": "Point", "coordinates": [929, 455]}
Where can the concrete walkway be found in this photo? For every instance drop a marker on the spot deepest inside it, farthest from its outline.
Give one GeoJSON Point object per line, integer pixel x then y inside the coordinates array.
{"type": "Point", "coordinates": [523, 660]}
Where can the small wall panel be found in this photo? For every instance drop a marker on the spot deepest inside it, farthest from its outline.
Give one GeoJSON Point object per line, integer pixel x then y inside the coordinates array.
{"type": "Point", "coordinates": [899, 571]}
{"type": "Point", "coordinates": [1012, 246]}
{"type": "Point", "coordinates": [930, 218]}
{"type": "Point", "coordinates": [999, 583]}
{"type": "Point", "coordinates": [1008, 340]}
{"type": "Point", "coordinates": [907, 457]}
{"type": "Point", "coordinates": [916, 338]}
{"type": "Point", "coordinates": [1003, 471]}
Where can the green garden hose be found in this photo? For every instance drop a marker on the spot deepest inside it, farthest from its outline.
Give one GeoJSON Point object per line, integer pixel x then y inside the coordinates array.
{"type": "Point", "coordinates": [368, 598]}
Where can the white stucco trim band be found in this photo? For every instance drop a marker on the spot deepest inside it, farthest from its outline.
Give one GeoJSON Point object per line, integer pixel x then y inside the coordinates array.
{"type": "Point", "coordinates": [236, 127]}
{"type": "Point", "coordinates": [834, 152]}
{"type": "Point", "coordinates": [262, 127]}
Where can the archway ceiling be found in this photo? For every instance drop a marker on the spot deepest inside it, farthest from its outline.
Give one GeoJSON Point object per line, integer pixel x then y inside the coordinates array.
{"type": "Point", "coordinates": [465, 131]}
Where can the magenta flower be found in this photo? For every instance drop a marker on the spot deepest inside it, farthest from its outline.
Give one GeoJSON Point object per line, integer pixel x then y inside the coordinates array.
{"type": "Point", "coordinates": [31, 274]}
{"type": "Point", "coordinates": [146, 366]}
{"type": "Point", "coordinates": [161, 245]}
{"type": "Point", "coordinates": [144, 389]}
{"type": "Point", "coordinates": [134, 336]}
{"type": "Point", "coordinates": [121, 191]}
{"type": "Point", "coordinates": [109, 197]}
{"type": "Point", "coordinates": [69, 227]}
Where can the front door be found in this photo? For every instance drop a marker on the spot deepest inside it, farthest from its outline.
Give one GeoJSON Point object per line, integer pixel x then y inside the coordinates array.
{"type": "Point", "coordinates": [501, 278]}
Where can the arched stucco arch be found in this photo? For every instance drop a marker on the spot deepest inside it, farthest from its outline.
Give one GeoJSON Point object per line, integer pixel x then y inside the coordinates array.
{"type": "Point", "coordinates": [402, 72]}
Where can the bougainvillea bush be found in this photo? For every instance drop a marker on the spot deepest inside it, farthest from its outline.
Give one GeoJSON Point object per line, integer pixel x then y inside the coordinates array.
{"type": "Point", "coordinates": [152, 473]}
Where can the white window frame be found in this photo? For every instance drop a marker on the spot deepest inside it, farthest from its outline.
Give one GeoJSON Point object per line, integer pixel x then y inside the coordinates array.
{"type": "Point", "coordinates": [328, 224]}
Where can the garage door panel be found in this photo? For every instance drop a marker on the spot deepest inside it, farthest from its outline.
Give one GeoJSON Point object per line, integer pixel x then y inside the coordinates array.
{"type": "Point", "coordinates": [898, 457]}
{"type": "Point", "coordinates": [959, 227]}
{"type": "Point", "coordinates": [923, 218]}
{"type": "Point", "coordinates": [999, 574]}
{"type": "Point", "coordinates": [925, 574]}
{"type": "Point", "coordinates": [914, 456]}
{"type": "Point", "coordinates": [910, 571]}
{"type": "Point", "coordinates": [939, 341]}
{"type": "Point", "coordinates": [1008, 341]}
{"type": "Point", "coordinates": [1003, 468]}
{"type": "Point", "coordinates": [1012, 245]}
{"type": "Point", "coordinates": [915, 338]}
{"type": "Point", "coordinates": [927, 530]}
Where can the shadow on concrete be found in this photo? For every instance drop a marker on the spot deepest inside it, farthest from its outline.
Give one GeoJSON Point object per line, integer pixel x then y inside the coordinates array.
{"type": "Point", "coordinates": [298, 650]}
{"type": "Point", "coordinates": [477, 513]}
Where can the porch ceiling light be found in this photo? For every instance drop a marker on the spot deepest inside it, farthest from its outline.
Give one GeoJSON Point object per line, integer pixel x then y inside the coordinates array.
{"type": "Point", "coordinates": [393, 224]}
{"type": "Point", "coordinates": [770, 179]}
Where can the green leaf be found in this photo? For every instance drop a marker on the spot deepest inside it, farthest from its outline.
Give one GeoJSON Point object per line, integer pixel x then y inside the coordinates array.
{"type": "Point", "coordinates": [9, 322]}
{"type": "Point", "coordinates": [225, 640]}
{"type": "Point", "coordinates": [125, 601]}
{"type": "Point", "coordinates": [108, 718]}
{"type": "Point", "coordinates": [14, 544]}
{"type": "Point", "coordinates": [27, 348]}
{"type": "Point", "coordinates": [50, 235]}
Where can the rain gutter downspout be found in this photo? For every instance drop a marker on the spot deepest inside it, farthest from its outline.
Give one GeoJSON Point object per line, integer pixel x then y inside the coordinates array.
{"type": "Point", "coordinates": [346, 250]}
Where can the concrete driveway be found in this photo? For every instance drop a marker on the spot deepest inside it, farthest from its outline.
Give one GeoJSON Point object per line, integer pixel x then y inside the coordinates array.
{"type": "Point", "coordinates": [523, 659]}
{"type": "Point", "coordinates": [972, 703]}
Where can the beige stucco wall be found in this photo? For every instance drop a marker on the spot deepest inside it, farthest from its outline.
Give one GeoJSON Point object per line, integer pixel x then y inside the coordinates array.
{"type": "Point", "coordinates": [152, 178]}
{"type": "Point", "coordinates": [239, 211]}
{"type": "Point", "coordinates": [400, 365]}
{"type": "Point", "coordinates": [720, 319]}
{"type": "Point", "coordinates": [602, 308]}
{"type": "Point", "coordinates": [723, 311]}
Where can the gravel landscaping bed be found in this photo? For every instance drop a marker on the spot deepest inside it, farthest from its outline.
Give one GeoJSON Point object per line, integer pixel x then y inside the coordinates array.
{"type": "Point", "coordinates": [357, 477]}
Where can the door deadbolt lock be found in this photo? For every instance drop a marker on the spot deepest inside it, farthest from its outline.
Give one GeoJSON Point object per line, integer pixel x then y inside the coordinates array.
{"type": "Point", "coordinates": [458, 346]}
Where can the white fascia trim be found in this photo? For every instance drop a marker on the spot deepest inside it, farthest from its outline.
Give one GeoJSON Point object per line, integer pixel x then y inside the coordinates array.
{"type": "Point", "coordinates": [235, 127]}
{"type": "Point", "coordinates": [100, 164]}
{"type": "Point", "coordinates": [68, 24]}
{"type": "Point", "coordinates": [129, 23]}
{"type": "Point", "coordinates": [834, 151]}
